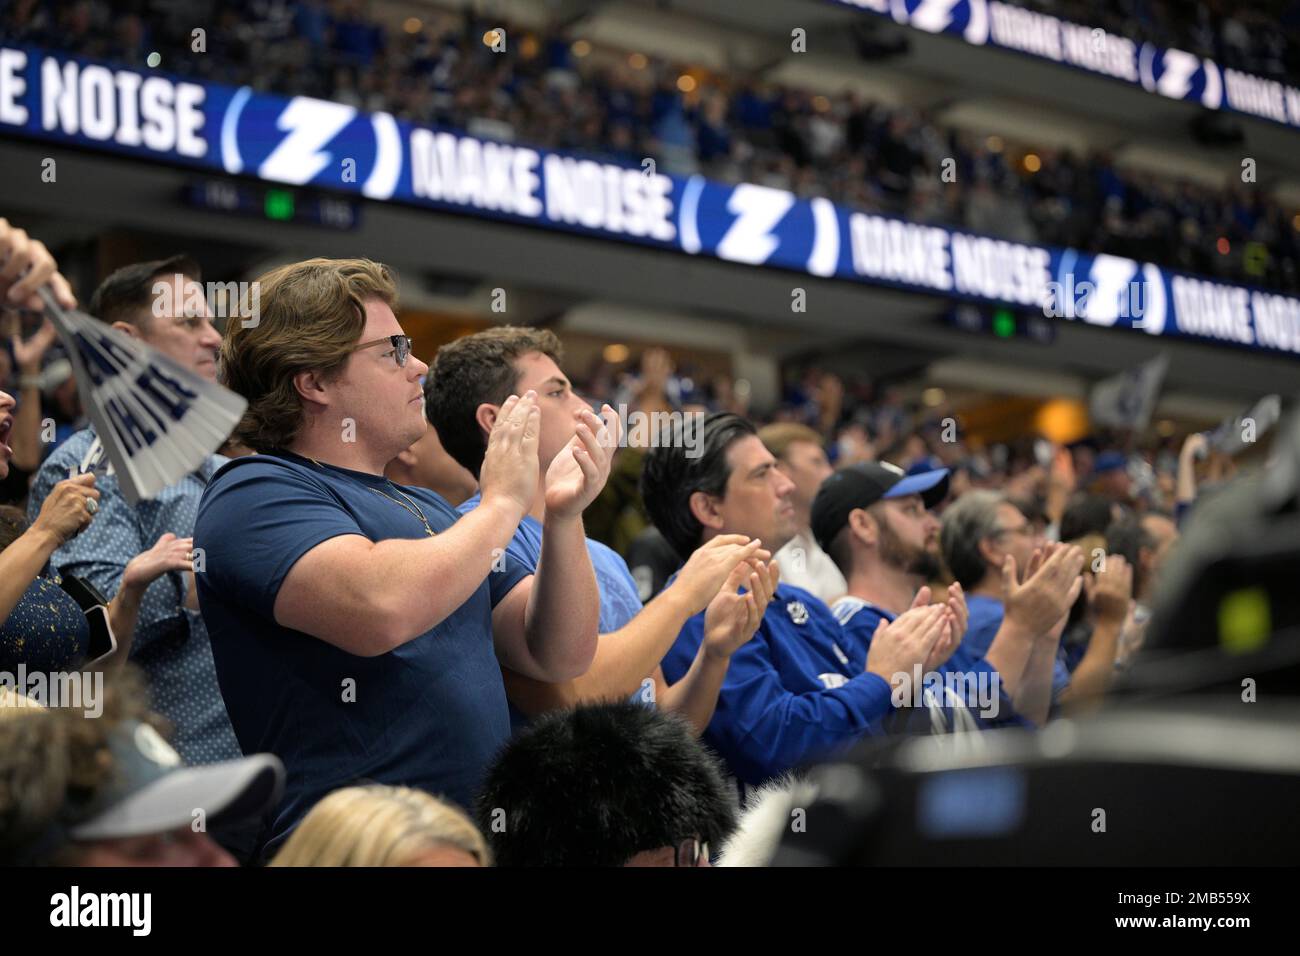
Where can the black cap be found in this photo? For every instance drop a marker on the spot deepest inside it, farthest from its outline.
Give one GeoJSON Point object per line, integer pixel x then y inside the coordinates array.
{"type": "Point", "coordinates": [860, 486]}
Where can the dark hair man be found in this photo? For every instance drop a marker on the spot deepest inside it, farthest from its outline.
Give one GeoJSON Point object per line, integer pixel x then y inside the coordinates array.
{"type": "Point", "coordinates": [609, 784]}
{"type": "Point", "coordinates": [470, 378]}
{"type": "Point", "coordinates": [792, 694]}
{"type": "Point", "coordinates": [160, 302]}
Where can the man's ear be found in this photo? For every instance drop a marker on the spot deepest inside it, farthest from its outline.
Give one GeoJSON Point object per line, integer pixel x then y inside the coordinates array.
{"type": "Point", "coordinates": [993, 555]}
{"type": "Point", "coordinates": [486, 416]}
{"type": "Point", "coordinates": [864, 527]}
{"type": "Point", "coordinates": [407, 458]}
{"type": "Point", "coordinates": [128, 328]}
{"type": "Point", "coordinates": [310, 387]}
{"type": "Point", "coordinates": [705, 509]}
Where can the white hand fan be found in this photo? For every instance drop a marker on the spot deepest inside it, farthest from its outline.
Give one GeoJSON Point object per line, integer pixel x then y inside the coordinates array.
{"type": "Point", "coordinates": [157, 420]}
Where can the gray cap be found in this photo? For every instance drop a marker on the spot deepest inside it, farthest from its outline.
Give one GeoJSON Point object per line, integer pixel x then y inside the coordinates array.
{"type": "Point", "coordinates": [151, 791]}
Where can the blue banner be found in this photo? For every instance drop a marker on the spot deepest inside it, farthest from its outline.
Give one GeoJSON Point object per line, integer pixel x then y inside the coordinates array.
{"type": "Point", "coordinates": [1176, 74]}
{"type": "Point", "coordinates": [314, 143]}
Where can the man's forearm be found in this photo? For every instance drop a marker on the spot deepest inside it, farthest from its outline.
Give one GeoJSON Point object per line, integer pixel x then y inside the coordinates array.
{"type": "Point", "coordinates": [1091, 679]}
{"type": "Point", "coordinates": [1185, 483]}
{"type": "Point", "coordinates": [26, 436]}
{"type": "Point", "coordinates": [695, 696]}
{"type": "Point", "coordinates": [370, 597]}
{"type": "Point", "coordinates": [424, 581]}
{"type": "Point", "coordinates": [624, 659]}
{"type": "Point", "coordinates": [563, 612]}
{"type": "Point", "coordinates": [1009, 653]}
{"type": "Point", "coordinates": [1034, 698]}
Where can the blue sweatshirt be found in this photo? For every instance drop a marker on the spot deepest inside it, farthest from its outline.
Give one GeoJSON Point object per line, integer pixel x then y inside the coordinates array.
{"type": "Point", "coordinates": [791, 694]}
{"type": "Point", "coordinates": [859, 619]}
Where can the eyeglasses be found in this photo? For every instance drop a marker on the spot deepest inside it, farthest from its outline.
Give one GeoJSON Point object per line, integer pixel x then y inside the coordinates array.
{"type": "Point", "coordinates": [690, 852]}
{"type": "Point", "coordinates": [401, 347]}
{"type": "Point", "coordinates": [1022, 529]}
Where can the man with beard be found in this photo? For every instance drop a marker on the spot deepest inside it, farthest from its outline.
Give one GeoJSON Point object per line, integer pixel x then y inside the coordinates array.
{"type": "Point", "coordinates": [877, 526]}
{"type": "Point", "coordinates": [791, 694]}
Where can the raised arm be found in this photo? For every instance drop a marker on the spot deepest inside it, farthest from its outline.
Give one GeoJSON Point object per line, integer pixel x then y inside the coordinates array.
{"type": "Point", "coordinates": [168, 553]}
{"type": "Point", "coordinates": [730, 620]}
{"type": "Point", "coordinates": [25, 438]}
{"type": "Point", "coordinates": [626, 657]}
{"type": "Point", "coordinates": [62, 515]}
{"type": "Point", "coordinates": [1033, 607]}
{"type": "Point", "coordinates": [1109, 596]}
{"type": "Point", "coordinates": [546, 627]}
{"type": "Point", "coordinates": [369, 597]}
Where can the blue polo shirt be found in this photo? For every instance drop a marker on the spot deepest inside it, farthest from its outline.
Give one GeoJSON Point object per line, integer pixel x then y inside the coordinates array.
{"type": "Point", "coordinates": [429, 714]}
{"type": "Point", "coordinates": [791, 694]}
{"type": "Point", "coordinates": [986, 615]}
{"type": "Point", "coordinates": [859, 620]}
{"type": "Point", "coordinates": [619, 598]}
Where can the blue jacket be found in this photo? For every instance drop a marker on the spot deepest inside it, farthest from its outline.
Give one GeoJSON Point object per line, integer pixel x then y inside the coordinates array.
{"type": "Point", "coordinates": [791, 694]}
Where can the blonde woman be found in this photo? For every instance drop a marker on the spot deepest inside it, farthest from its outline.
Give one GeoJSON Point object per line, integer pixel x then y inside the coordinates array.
{"type": "Point", "coordinates": [384, 826]}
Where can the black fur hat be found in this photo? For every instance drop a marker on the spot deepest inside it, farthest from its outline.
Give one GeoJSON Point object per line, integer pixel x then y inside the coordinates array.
{"type": "Point", "coordinates": [597, 785]}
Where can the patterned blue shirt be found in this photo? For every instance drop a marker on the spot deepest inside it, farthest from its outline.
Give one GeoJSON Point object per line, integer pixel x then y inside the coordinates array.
{"type": "Point", "coordinates": [171, 642]}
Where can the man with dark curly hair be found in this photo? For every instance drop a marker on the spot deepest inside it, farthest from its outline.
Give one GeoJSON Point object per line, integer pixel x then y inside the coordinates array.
{"type": "Point", "coordinates": [606, 785]}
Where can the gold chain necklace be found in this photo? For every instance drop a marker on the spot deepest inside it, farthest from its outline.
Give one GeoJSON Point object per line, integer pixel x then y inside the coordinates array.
{"type": "Point", "coordinates": [413, 508]}
{"type": "Point", "coordinates": [417, 512]}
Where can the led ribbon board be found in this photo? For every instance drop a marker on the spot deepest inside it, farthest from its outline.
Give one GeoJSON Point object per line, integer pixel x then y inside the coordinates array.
{"type": "Point", "coordinates": [1175, 74]}
{"type": "Point", "coordinates": [329, 146]}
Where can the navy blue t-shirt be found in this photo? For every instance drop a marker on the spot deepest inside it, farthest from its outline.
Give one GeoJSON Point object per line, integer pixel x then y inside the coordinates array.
{"type": "Point", "coordinates": [429, 714]}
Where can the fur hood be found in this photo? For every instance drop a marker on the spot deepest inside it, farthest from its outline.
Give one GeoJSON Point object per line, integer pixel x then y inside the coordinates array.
{"type": "Point", "coordinates": [766, 818]}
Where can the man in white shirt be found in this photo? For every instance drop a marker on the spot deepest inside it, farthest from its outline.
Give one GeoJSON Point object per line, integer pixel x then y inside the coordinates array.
{"type": "Point", "coordinates": [801, 458]}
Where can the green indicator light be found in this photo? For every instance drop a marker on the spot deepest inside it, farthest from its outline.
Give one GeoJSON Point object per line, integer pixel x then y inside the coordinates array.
{"type": "Point", "coordinates": [1004, 324]}
{"type": "Point", "coordinates": [278, 204]}
{"type": "Point", "coordinates": [1245, 620]}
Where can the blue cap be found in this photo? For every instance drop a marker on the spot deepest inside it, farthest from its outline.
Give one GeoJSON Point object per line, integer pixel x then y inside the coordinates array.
{"type": "Point", "coordinates": [860, 486]}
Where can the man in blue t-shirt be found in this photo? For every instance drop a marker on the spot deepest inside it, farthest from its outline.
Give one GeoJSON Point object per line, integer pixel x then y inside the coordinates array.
{"type": "Point", "coordinates": [358, 626]}
{"type": "Point", "coordinates": [791, 694]}
{"type": "Point", "coordinates": [876, 524]}
{"type": "Point", "coordinates": [469, 379]}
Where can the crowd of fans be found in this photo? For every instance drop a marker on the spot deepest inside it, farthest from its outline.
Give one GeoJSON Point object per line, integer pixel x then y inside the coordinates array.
{"type": "Point", "coordinates": [557, 91]}
{"type": "Point", "coordinates": [400, 641]}
{"type": "Point", "coordinates": [1259, 38]}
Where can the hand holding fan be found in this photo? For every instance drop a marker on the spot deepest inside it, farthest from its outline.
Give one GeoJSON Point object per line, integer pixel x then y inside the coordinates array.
{"type": "Point", "coordinates": [157, 420]}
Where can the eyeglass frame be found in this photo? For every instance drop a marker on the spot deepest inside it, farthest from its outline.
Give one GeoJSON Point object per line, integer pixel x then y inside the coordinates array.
{"type": "Point", "coordinates": [402, 347]}
{"type": "Point", "coordinates": [1027, 529]}
{"type": "Point", "coordinates": [698, 850]}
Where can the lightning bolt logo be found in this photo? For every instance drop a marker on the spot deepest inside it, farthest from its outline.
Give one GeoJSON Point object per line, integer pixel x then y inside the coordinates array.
{"type": "Point", "coordinates": [310, 124]}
